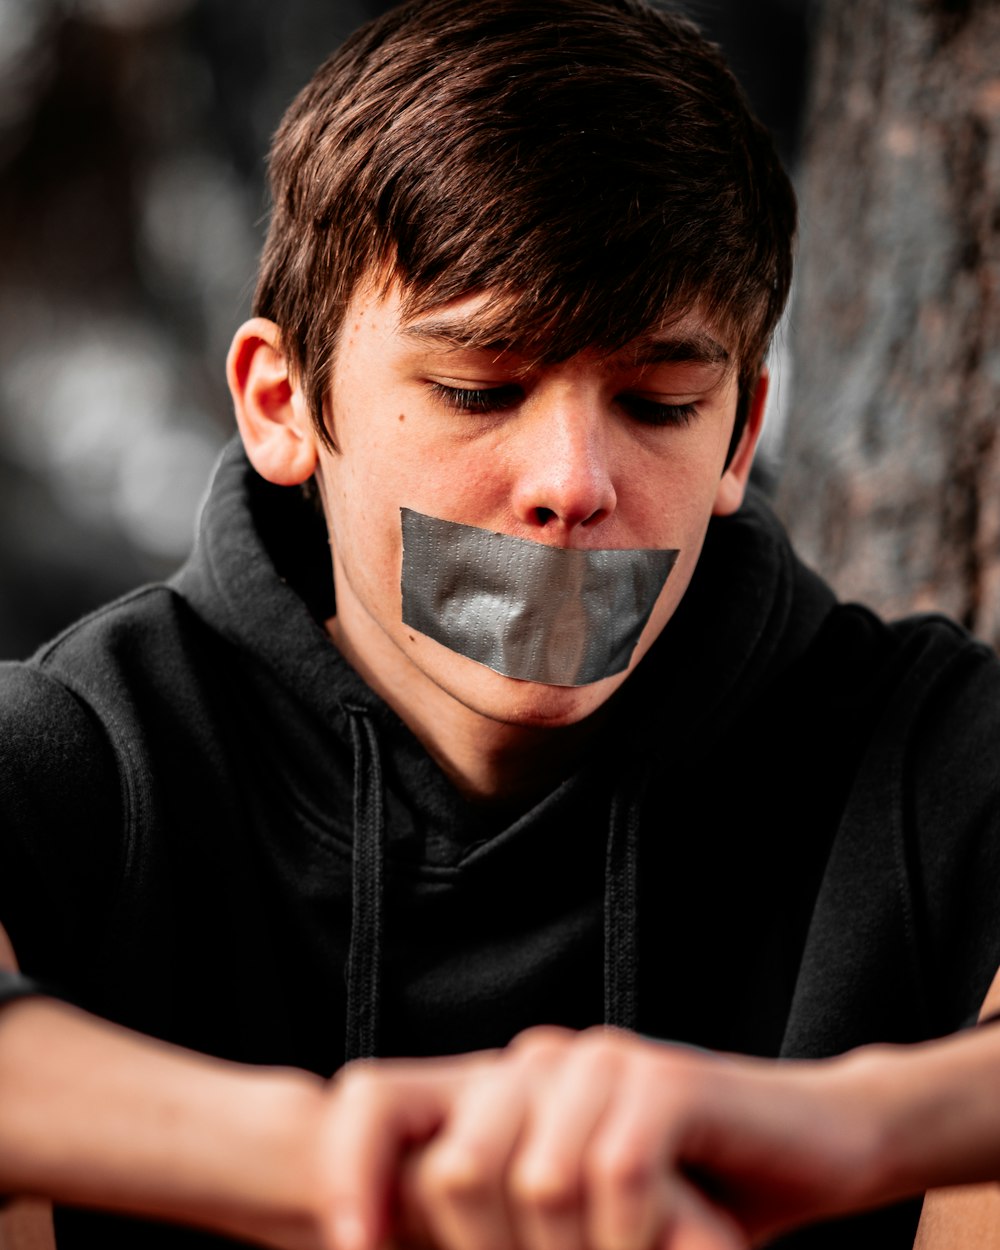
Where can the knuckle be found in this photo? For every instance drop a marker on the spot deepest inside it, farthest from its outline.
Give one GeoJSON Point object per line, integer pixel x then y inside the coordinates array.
{"type": "Point", "coordinates": [539, 1045]}
{"type": "Point", "coordinates": [620, 1169]}
{"type": "Point", "coordinates": [357, 1082]}
{"type": "Point", "coordinates": [461, 1176]}
{"type": "Point", "coordinates": [540, 1035]}
{"type": "Point", "coordinates": [605, 1047]}
{"type": "Point", "coordinates": [601, 1034]}
{"type": "Point", "coordinates": [549, 1190]}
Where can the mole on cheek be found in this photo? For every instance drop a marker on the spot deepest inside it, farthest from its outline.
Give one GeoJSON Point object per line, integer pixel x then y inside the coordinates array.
{"type": "Point", "coordinates": [402, 416]}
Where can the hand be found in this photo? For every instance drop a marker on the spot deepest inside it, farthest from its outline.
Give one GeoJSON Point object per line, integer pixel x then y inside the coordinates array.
{"type": "Point", "coordinates": [592, 1141]}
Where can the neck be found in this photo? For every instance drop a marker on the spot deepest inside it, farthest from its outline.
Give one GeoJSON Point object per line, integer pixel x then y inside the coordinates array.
{"type": "Point", "coordinates": [487, 760]}
{"type": "Point", "coordinates": [504, 765]}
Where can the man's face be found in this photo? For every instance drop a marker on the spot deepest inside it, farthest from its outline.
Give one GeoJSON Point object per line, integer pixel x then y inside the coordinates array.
{"type": "Point", "coordinates": [595, 452]}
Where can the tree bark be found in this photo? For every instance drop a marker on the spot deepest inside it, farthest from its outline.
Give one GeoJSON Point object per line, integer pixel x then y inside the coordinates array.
{"type": "Point", "coordinates": [891, 480]}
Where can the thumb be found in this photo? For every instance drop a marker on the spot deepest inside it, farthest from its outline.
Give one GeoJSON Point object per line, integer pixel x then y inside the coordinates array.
{"type": "Point", "coordinates": [376, 1112]}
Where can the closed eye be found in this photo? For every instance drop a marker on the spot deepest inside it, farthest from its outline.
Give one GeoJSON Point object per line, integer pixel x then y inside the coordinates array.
{"type": "Point", "coordinates": [478, 399]}
{"type": "Point", "coordinates": [653, 412]}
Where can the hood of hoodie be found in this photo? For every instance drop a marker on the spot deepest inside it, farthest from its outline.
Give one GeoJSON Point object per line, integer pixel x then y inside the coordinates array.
{"type": "Point", "coordinates": [261, 576]}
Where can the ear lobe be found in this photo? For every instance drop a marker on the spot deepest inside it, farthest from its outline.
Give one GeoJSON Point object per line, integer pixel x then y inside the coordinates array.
{"type": "Point", "coordinates": [733, 484]}
{"type": "Point", "coordinates": [271, 411]}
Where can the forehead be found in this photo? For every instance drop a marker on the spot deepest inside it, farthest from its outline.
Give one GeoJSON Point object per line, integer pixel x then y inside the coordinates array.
{"type": "Point", "coordinates": [488, 322]}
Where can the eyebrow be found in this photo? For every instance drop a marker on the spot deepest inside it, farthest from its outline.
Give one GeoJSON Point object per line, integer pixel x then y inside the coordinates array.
{"type": "Point", "coordinates": [693, 347]}
{"type": "Point", "coordinates": [456, 335]}
{"type": "Point", "coordinates": [690, 347]}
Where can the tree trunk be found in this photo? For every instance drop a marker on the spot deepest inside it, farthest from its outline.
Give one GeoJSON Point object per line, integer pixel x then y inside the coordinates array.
{"type": "Point", "coordinates": [891, 484]}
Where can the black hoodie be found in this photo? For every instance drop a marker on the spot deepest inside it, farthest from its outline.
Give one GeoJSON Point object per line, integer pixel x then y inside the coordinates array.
{"type": "Point", "coordinates": [782, 842]}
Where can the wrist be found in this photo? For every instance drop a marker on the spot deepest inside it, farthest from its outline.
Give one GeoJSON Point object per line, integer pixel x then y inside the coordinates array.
{"type": "Point", "coordinates": [267, 1187]}
{"type": "Point", "coordinates": [871, 1088]}
{"type": "Point", "coordinates": [920, 1117]}
{"type": "Point", "coordinates": [937, 1112]}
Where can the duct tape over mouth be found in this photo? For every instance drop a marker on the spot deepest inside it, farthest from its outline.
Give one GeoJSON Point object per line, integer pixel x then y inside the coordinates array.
{"type": "Point", "coordinates": [556, 615]}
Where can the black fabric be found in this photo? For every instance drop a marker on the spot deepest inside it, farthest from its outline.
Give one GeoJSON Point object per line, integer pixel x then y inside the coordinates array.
{"type": "Point", "coordinates": [814, 863]}
{"type": "Point", "coordinates": [14, 986]}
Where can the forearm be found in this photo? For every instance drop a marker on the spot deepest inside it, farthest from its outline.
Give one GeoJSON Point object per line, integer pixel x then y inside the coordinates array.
{"type": "Point", "coordinates": [94, 1115]}
{"type": "Point", "coordinates": [938, 1108]}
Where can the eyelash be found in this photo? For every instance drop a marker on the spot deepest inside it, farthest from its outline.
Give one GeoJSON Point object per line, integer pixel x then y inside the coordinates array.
{"type": "Point", "coordinates": [486, 400]}
{"type": "Point", "coordinates": [649, 412]}
{"type": "Point", "coordinates": [479, 401]}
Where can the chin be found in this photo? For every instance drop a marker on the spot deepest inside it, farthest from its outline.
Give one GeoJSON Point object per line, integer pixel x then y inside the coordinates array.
{"type": "Point", "coordinates": [530, 704]}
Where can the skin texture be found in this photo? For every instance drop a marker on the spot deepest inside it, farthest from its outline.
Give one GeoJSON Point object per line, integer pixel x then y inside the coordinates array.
{"type": "Point", "coordinates": [572, 456]}
{"type": "Point", "coordinates": [966, 1215]}
{"type": "Point", "coordinates": [24, 1224]}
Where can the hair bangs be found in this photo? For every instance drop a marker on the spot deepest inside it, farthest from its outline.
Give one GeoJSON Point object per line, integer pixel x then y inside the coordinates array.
{"type": "Point", "coordinates": [590, 166]}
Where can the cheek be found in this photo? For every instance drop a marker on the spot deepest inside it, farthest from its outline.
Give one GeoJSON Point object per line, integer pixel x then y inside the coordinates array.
{"type": "Point", "coordinates": [361, 505]}
{"type": "Point", "coordinates": [670, 496]}
{"type": "Point", "coordinates": [453, 478]}
{"type": "Point", "coordinates": [392, 466]}
{"type": "Point", "coordinates": [690, 544]}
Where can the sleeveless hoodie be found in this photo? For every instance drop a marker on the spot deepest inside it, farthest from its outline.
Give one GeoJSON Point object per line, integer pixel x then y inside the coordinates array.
{"type": "Point", "coordinates": [783, 841]}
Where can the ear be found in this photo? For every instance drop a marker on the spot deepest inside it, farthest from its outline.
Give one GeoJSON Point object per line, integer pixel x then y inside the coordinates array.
{"type": "Point", "coordinates": [271, 411]}
{"type": "Point", "coordinates": [733, 484]}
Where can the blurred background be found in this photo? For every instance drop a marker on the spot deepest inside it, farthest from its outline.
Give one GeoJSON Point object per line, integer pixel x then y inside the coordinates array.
{"type": "Point", "coordinates": [133, 136]}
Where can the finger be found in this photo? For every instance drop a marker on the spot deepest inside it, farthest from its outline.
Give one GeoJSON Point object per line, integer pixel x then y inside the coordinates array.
{"type": "Point", "coordinates": [546, 1186]}
{"type": "Point", "coordinates": [460, 1178]}
{"type": "Point", "coordinates": [695, 1224]}
{"type": "Point", "coordinates": [628, 1166]}
{"type": "Point", "coordinates": [375, 1113]}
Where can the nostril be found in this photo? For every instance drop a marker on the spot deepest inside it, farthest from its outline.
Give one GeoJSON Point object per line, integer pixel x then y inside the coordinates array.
{"type": "Point", "coordinates": [544, 515]}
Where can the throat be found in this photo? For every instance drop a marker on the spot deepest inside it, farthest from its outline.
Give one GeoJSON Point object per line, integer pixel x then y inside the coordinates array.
{"type": "Point", "coordinates": [509, 768]}
{"type": "Point", "coordinates": [505, 756]}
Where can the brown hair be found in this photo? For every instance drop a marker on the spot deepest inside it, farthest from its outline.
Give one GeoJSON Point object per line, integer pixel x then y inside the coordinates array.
{"type": "Point", "coordinates": [591, 163]}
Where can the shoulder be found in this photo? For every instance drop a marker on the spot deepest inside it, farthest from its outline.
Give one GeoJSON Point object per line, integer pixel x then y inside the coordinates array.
{"type": "Point", "coordinates": [82, 724]}
{"type": "Point", "coordinates": [62, 837]}
{"type": "Point", "coordinates": [127, 626]}
{"type": "Point", "coordinates": [920, 694]}
{"type": "Point", "coordinates": [132, 658]}
{"type": "Point", "coordinates": [940, 746]}
{"type": "Point", "coordinates": [44, 725]}
{"type": "Point", "coordinates": [953, 726]}
{"type": "Point", "coordinates": [69, 715]}
{"type": "Point", "coordinates": [900, 724]}
{"type": "Point", "coordinates": [857, 656]}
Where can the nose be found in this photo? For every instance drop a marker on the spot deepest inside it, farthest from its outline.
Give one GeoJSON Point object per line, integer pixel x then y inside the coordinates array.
{"type": "Point", "coordinates": [564, 478]}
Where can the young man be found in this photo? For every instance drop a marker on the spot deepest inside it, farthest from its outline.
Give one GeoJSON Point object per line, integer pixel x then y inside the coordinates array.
{"type": "Point", "coordinates": [568, 735]}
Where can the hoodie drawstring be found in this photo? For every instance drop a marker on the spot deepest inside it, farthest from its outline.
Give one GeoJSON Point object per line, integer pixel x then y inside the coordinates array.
{"type": "Point", "coordinates": [364, 956]}
{"type": "Point", "coordinates": [621, 909]}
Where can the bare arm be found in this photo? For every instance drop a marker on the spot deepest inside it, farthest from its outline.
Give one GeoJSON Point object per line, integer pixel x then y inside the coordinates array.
{"type": "Point", "coordinates": [967, 1215]}
{"type": "Point", "coordinates": [27, 1224]}
{"type": "Point", "coordinates": [610, 1142]}
{"type": "Point", "coordinates": [93, 1115]}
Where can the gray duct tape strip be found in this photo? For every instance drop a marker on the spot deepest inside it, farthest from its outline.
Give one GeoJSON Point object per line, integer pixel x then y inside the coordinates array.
{"type": "Point", "coordinates": [560, 616]}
